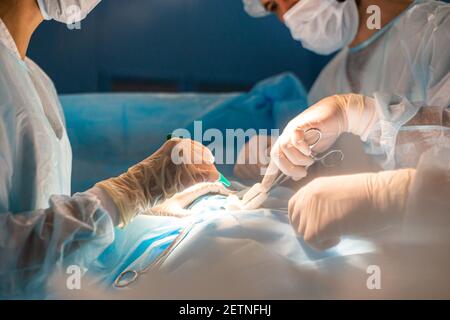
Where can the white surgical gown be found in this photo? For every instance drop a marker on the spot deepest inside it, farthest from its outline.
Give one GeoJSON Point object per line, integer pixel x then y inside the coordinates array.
{"type": "Point", "coordinates": [405, 66]}
{"type": "Point", "coordinates": [41, 226]}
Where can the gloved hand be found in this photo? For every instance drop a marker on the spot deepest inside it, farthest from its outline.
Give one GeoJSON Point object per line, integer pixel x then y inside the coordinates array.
{"type": "Point", "coordinates": [175, 206]}
{"type": "Point", "coordinates": [330, 207]}
{"type": "Point", "coordinates": [253, 158]}
{"type": "Point", "coordinates": [178, 164]}
{"type": "Point", "coordinates": [332, 116]}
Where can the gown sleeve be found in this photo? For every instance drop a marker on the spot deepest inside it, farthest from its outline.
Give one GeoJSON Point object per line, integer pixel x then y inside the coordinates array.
{"type": "Point", "coordinates": [35, 241]}
{"type": "Point", "coordinates": [426, 48]}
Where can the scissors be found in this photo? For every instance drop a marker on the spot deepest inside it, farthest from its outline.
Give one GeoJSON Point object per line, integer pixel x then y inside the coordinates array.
{"type": "Point", "coordinates": [312, 136]}
{"type": "Point", "coordinates": [127, 277]}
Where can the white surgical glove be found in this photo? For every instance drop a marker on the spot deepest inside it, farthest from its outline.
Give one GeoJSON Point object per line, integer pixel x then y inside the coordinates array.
{"type": "Point", "coordinates": [178, 164]}
{"type": "Point", "coordinates": [330, 207]}
{"type": "Point", "coordinates": [332, 116]}
{"type": "Point", "coordinates": [255, 197]}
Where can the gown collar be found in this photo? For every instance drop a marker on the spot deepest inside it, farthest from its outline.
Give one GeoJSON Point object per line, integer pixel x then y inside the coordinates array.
{"type": "Point", "coordinates": [7, 40]}
{"type": "Point", "coordinates": [382, 31]}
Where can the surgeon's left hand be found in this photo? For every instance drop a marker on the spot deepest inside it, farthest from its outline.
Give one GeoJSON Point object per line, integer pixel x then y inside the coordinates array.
{"type": "Point", "coordinates": [330, 207]}
{"type": "Point", "coordinates": [177, 165]}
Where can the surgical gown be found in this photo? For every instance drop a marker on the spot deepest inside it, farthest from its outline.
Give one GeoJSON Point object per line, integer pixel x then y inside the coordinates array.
{"type": "Point", "coordinates": [405, 66]}
{"type": "Point", "coordinates": [40, 224]}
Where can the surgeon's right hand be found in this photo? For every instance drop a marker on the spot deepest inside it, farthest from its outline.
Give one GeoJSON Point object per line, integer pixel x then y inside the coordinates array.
{"type": "Point", "coordinates": [291, 154]}
{"type": "Point", "coordinates": [177, 165]}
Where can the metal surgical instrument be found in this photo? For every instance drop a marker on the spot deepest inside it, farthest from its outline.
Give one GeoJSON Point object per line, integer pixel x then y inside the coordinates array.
{"type": "Point", "coordinates": [329, 159]}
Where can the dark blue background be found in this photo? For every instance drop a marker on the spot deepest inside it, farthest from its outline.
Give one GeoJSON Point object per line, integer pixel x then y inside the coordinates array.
{"type": "Point", "coordinates": [169, 45]}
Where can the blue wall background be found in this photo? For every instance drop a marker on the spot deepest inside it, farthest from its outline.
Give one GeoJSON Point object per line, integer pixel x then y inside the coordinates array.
{"type": "Point", "coordinates": [169, 45]}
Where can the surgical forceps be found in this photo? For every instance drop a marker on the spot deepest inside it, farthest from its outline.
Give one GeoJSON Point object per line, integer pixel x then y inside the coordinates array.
{"type": "Point", "coordinates": [329, 159]}
{"type": "Point", "coordinates": [128, 276]}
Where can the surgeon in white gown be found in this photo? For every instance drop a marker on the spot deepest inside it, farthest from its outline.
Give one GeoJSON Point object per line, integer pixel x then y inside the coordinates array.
{"type": "Point", "coordinates": [41, 225]}
{"type": "Point", "coordinates": [389, 86]}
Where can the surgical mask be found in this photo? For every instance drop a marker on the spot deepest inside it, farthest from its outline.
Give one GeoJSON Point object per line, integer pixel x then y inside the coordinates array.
{"type": "Point", "coordinates": [66, 11]}
{"type": "Point", "coordinates": [323, 26]}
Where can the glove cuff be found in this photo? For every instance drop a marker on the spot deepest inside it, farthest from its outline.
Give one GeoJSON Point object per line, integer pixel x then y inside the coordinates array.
{"type": "Point", "coordinates": [390, 191]}
{"type": "Point", "coordinates": [361, 115]}
{"type": "Point", "coordinates": [126, 195]}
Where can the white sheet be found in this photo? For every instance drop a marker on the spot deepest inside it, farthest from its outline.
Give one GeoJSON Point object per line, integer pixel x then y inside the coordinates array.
{"type": "Point", "coordinates": [253, 254]}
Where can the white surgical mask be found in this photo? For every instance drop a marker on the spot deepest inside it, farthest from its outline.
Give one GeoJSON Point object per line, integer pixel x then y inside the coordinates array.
{"type": "Point", "coordinates": [66, 11]}
{"type": "Point", "coordinates": [323, 26]}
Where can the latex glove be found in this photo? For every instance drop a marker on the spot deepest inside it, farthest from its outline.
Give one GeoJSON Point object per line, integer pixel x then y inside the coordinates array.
{"type": "Point", "coordinates": [178, 164]}
{"type": "Point", "coordinates": [175, 206]}
{"type": "Point", "coordinates": [332, 116]}
{"type": "Point", "coordinates": [328, 208]}
{"type": "Point", "coordinates": [254, 198]}
{"type": "Point", "coordinates": [428, 213]}
{"type": "Point", "coordinates": [254, 157]}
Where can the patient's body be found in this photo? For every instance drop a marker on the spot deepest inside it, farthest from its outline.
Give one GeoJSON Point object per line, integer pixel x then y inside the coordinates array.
{"type": "Point", "coordinates": [176, 206]}
{"type": "Point", "coordinates": [181, 204]}
{"type": "Point", "coordinates": [237, 253]}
